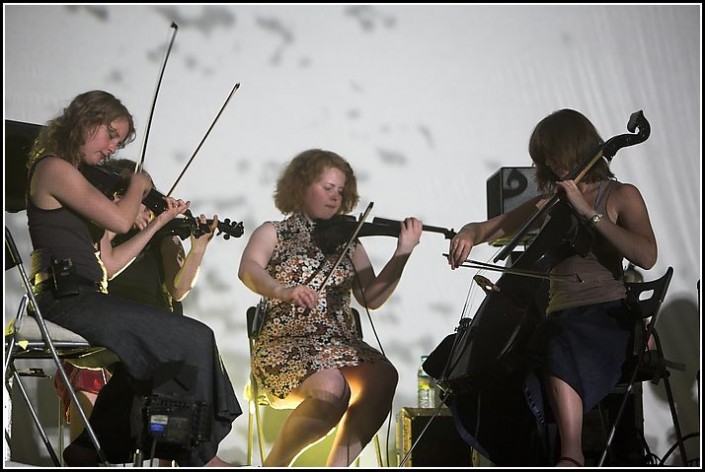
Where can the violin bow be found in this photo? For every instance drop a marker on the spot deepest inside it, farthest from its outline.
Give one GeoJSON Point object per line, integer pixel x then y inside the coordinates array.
{"type": "Point", "coordinates": [345, 249]}
{"type": "Point", "coordinates": [140, 164]}
{"type": "Point", "coordinates": [232, 92]}
{"type": "Point", "coordinates": [473, 264]}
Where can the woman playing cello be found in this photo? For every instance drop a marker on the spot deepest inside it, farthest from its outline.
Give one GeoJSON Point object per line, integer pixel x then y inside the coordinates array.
{"type": "Point", "coordinates": [583, 341]}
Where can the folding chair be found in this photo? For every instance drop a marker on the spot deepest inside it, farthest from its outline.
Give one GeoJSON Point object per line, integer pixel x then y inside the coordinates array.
{"type": "Point", "coordinates": [255, 399]}
{"type": "Point", "coordinates": [32, 337]}
{"type": "Point", "coordinates": [648, 361]}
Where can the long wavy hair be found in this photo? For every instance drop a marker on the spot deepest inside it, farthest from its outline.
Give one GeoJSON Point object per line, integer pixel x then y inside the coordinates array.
{"type": "Point", "coordinates": [569, 137]}
{"type": "Point", "coordinates": [64, 135]}
{"type": "Point", "coordinates": [305, 169]}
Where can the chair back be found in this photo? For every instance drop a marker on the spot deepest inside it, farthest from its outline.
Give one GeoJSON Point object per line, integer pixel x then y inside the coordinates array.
{"type": "Point", "coordinates": [12, 255]}
{"type": "Point", "coordinates": [648, 361]}
{"type": "Point", "coordinates": [650, 295]}
{"type": "Point", "coordinates": [255, 319]}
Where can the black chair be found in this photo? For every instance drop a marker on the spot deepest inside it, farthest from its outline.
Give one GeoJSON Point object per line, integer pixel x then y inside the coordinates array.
{"type": "Point", "coordinates": [648, 362]}
{"type": "Point", "coordinates": [256, 399]}
{"type": "Point", "coordinates": [30, 338]}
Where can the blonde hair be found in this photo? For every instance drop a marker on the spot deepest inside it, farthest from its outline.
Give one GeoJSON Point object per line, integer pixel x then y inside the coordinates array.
{"type": "Point", "coordinates": [64, 135]}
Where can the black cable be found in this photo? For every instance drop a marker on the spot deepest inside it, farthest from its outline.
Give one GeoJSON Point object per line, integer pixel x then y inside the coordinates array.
{"type": "Point", "coordinates": [676, 445]}
{"type": "Point", "coordinates": [153, 452]}
{"type": "Point", "coordinates": [379, 343]}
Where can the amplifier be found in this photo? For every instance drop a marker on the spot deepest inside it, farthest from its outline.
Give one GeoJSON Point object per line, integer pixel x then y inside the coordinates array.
{"type": "Point", "coordinates": [508, 188]}
{"type": "Point", "coordinates": [439, 446]}
{"type": "Point", "coordinates": [177, 421]}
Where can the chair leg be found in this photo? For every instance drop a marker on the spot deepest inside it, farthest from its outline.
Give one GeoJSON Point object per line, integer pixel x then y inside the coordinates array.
{"type": "Point", "coordinates": [250, 431]}
{"type": "Point", "coordinates": [260, 431]}
{"type": "Point", "coordinates": [60, 429]}
{"type": "Point", "coordinates": [615, 423]}
{"type": "Point", "coordinates": [674, 417]}
{"type": "Point", "coordinates": [378, 451]}
{"type": "Point", "coordinates": [672, 405]}
{"type": "Point", "coordinates": [35, 416]}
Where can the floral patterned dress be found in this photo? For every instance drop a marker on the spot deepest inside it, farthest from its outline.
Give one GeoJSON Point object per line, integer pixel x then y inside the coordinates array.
{"type": "Point", "coordinates": [295, 343]}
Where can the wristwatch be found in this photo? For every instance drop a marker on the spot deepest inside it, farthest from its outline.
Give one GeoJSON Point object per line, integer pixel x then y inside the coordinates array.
{"type": "Point", "coordinates": [595, 219]}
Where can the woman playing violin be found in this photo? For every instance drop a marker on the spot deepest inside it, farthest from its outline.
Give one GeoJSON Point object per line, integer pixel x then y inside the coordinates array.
{"type": "Point", "coordinates": [148, 265]}
{"type": "Point", "coordinates": [585, 335]}
{"type": "Point", "coordinates": [308, 355]}
{"type": "Point", "coordinates": [159, 353]}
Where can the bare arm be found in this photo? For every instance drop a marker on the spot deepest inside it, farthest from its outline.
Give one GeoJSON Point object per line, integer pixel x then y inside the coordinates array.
{"type": "Point", "coordinates": [252, 271]}
{"type": "Point", "coordinates": [500, 226]}
{"type": "Point", "coordinates": [376, 290]}
{"type": "Point", "coordinates": [57, 183]}
{"type": "Point", "coordinates": [626, 226]}
{"type": "Point", "coordinates": [181, 270]}
{"type": "Point", "coordinates": [116, 259]}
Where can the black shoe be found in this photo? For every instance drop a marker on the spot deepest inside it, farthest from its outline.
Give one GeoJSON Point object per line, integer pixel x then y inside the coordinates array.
{"type": "Point", "coordinates": [79, 455]}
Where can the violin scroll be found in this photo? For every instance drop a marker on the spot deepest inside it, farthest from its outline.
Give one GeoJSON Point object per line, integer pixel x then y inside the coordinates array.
{"type": "Point", "coordinates": [188, 225]}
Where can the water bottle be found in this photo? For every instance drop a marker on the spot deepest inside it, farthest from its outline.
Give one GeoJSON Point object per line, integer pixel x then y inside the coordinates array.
{"type": "Point", "coordinates": [426, 387]}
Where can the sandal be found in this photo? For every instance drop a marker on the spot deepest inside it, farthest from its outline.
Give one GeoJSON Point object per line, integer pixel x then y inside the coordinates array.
{"type": "Point", "coordinates": [571, 460]}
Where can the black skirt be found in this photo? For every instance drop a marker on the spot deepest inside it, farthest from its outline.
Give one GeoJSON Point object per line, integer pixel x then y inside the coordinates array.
{"type": "Point", "coordinates": [160, 352]}
{"type": "Point", "coordinates": [511, 422]}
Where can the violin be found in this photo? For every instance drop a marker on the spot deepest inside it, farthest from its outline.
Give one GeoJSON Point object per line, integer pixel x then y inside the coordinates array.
{"type": "Point", "coordinates": [330, 234]}
{"type": "Point", "coordinates": [112, 183]}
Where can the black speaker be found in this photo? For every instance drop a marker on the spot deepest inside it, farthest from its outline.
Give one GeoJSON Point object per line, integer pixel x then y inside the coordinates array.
{"type": "Point", "coordinates": [19, 137]}
{"type": "Point", "coordinates": [439, 446]}
{"type": "Point", "coordinates": [508, 188]}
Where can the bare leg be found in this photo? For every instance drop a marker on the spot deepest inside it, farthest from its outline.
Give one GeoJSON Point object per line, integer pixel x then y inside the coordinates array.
{"type": "Point", "coordinates": [373, 386]}
{"type": "Point", "coordinates": [215, 462]}
{"type": "Point", "coordinates": [322, 400]}
{"type": "Point", "coordinates": [568, 410]}
{"type": "Point", "coordinates": [87, 401]}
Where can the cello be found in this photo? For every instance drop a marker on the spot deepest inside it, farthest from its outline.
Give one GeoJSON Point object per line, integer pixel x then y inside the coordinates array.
{"type": "Point", "coordinates": [490, 346]}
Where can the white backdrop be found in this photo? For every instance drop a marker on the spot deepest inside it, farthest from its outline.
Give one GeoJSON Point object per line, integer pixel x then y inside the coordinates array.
{"type": "Point", "coordinates": [426, 102]}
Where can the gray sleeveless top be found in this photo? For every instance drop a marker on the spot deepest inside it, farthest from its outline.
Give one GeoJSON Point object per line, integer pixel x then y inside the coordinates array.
{"type": "Point", "coordinates": [600, 271]}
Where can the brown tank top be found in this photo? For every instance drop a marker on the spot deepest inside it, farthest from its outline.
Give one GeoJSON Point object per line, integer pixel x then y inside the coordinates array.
{"type": "Point", "coordinates": [600, 271]}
